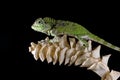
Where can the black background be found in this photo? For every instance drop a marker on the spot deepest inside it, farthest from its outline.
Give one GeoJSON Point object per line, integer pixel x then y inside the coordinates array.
{"type": "Point", "coordinates": [100, 19]}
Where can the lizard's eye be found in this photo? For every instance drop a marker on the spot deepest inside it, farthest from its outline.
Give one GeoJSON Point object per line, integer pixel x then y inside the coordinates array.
{"type": "Point", "coordinates": [39, 22]}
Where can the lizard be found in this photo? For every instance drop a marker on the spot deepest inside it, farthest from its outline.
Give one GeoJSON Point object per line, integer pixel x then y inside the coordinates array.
{"type": "Point", "coordinates": [51, 26]}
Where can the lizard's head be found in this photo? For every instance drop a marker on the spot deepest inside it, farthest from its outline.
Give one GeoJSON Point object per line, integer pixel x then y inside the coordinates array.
{"type": "Point", "coordinates": [40, 25]}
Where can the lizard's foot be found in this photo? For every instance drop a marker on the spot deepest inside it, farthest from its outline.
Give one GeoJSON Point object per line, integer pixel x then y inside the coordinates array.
{"type": "Point", "coordinates": [85, 42]}
{"type": "Point", "coordinates": [55, 39]}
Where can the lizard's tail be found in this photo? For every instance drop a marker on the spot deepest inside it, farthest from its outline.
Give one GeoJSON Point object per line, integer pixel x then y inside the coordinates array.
{"type": "Point", "coordinates": [105, 43]}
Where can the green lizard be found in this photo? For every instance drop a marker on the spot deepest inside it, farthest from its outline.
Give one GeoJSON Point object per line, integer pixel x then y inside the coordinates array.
{"type": "Point", "coordinates": [54, 27]}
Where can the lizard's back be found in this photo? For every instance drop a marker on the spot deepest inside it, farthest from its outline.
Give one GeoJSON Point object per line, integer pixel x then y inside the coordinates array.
{"type": "Point", "coordinates": [77, 30]}
{"type": "Point", "coordinates": [70, 28]}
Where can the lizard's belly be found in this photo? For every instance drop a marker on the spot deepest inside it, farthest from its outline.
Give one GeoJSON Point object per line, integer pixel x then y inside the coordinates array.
{"type": "Point", "coordinates": [57, 33]}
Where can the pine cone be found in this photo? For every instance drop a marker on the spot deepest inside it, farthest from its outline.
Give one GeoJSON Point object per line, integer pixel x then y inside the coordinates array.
{"type": "Point", "coordinates": [69, 51]}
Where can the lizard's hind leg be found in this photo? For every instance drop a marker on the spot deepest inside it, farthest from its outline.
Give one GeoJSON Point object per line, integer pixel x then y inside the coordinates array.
{"type": "Point", "coordinates": [84, 42]}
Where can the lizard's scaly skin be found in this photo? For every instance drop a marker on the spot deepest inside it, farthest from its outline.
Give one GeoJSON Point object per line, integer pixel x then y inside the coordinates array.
{"type": "Point", "coordinates": [54, 27]}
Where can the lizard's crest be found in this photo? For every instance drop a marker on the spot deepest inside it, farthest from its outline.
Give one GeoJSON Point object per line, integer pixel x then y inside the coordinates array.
{"type": "Point", "coordinates": [50, 21]}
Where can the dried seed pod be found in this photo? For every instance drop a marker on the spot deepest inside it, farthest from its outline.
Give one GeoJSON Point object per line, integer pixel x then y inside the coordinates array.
{"type": "Point", "coordinates": [42, 52]}
{"type": "Point", "coordinates": [60, 51]}
{"type": "Point", "coordinates": [69, 51]}
{"type": "Point", "coordinates": [56, 55]}
{"type": "Point", "coordinates": [63, 42]}
{"type": "Point", "coordinates": [113, 75]}
{"type": "Point", "coordinates": [99, 68]}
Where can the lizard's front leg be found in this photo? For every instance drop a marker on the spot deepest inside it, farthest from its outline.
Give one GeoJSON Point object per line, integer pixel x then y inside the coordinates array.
{"type": "Point", "coordinates": [56, 37]}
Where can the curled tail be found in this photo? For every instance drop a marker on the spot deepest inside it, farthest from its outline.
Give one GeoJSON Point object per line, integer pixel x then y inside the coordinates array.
{"type": "Point", "coordinates": [105, 43]}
